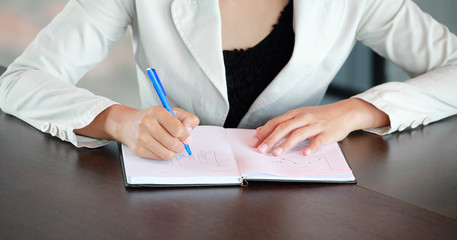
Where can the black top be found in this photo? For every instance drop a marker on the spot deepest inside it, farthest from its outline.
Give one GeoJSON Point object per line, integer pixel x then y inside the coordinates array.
{"type": "Point", "coordinates": [248, 72]}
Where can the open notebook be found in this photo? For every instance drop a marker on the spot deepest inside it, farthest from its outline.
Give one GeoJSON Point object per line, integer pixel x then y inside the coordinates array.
{"type": "Point", "coordinates": [223, 157]}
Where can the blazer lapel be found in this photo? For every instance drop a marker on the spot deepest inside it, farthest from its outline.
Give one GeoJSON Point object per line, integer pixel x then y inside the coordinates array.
{"type": "Point", "coordinates": [199, 24]}
{"type": "Point", "coordinates": [316, 25]}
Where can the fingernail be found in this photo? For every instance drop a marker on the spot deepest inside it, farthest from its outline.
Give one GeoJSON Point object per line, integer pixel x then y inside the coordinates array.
{"type": "Point", "coordinates": [253, 142]}
{"type": "Point", "coordinates": [278, 151]}
{"type": "Point", "coordinates": [189, 129]}
{"type": "Point", "coordinates": [308, 152]}
{"type": "Point", "coordinates": [258, 129]}
{"type": "Point", "coordinates": [262, 148]}
{"type": "Point", "coordinates": [188, 140]}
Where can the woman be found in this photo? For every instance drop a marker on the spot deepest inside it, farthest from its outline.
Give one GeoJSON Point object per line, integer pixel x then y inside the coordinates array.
{"type": "Point", "coordinates": [195, 46]}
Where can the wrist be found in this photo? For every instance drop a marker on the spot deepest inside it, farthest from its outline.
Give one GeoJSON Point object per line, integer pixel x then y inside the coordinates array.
{"type": "Point", "coordinates": [115, 119]}
{"type": "Point", "coordinates": [108, 124]}
{"type": "Point", "coordinates": [367, 115]}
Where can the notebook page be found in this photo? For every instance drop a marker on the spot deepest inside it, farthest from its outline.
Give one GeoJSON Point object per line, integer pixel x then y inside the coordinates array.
{"type": "Point", "coordinates": [327, 161]}
{"type": "Point", "coordinates": [211, 159]}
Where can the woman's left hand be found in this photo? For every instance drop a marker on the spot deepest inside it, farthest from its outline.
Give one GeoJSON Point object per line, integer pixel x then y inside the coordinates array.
{"type": "Point", "coordinates": [322, 124]}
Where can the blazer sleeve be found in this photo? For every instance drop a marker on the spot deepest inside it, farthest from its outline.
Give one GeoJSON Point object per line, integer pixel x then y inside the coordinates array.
{"type": "Point", "coordinates": [38, 87]}
{"type": "Point", "coordinates": [422, 47]}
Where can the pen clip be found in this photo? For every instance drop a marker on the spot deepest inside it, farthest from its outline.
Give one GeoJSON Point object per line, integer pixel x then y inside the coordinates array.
{"type": "Point", "coordinates": [158, 80]}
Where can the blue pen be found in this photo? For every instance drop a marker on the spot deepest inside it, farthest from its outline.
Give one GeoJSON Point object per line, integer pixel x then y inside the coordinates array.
{"type": "Point", "coordinates": [162, 95]}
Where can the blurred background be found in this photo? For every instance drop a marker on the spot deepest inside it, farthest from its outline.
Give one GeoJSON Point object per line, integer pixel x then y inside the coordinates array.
{"type": "Point", "coordinates": [21, 20]}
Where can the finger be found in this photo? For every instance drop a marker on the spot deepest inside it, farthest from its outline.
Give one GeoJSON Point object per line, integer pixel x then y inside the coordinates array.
{"type": "Point", "coordinates": [145, 153]}
{"type": "Point", "coordinates": [254, 142]}
{"type": "Point", "coordinates": [157, 126]}
{"type": "Point", "coordinates": [316, 142]}
{"type": "Point", "coordinates": [297, 136]}
{"type": "Point", "coordinates": [172, 125]}
{"type": "Point", "coordinates": [146, 146]}
{"type": "Point", "coordinates": [281, 131]}
{"type": "Point", "coordinates": [267, 129]}
{"type": "Point", "coordinates": [163, 136]}
{"type": "Point", "coordinates": [189, 120]}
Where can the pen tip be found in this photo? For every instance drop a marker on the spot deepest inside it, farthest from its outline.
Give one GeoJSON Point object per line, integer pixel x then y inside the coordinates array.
{"type": "Point", "coordinates": [188, 149]}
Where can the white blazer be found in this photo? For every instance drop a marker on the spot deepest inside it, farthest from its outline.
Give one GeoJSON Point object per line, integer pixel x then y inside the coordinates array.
{"type": "Point", "coordinates": [182, 39]}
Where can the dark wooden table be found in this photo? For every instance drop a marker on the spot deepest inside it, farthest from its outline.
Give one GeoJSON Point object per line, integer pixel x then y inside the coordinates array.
{"type": "Point", "coordinates": [418, 166]}
{"type": "Point", "coordinates": [407, 189]}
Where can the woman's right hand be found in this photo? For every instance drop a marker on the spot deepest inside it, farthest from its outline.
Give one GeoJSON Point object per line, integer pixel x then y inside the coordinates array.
{"type": "Point", "coordinates": [150, 133]}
